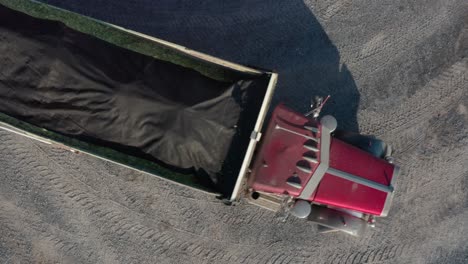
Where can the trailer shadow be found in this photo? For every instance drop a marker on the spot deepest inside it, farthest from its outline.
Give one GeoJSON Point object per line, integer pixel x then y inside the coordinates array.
{"type": "Point", "coordinates": [281, 35]}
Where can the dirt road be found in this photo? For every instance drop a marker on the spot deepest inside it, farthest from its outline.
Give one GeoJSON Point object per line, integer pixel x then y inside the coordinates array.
{"type": "Point", "coordinates": [397, 70]}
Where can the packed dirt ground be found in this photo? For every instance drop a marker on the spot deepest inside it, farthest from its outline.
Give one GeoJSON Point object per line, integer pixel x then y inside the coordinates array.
{"type": "Point", "coordinates": [395, 69]}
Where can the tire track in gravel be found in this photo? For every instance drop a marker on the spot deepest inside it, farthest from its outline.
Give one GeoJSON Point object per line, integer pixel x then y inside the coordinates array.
{"type": "Point", "coordinates": [111, 221]}
{"type": "Point", "coordinates": [437, 96]}
{"type": "Point", "coordinates": [405, 38]}
{"type": "Point", "coordinates": [246, 217]}
{"type": "Point", "coordinates": [12, 244]}
{"type": "Point", "coordinates": [29, 175]}
{"type": "Point", "coordinates": [426, 141]}
{"type": "Point", "coordinates": [421, 188]}
{"type": "Point", "coordinates": [449, 236]}
{"type": "Point", "coordinates": [411, 128]}
{"type": "Point", "coordinates": [337, 6]}
{"type": "Point", "coordinates": [448, 207]}
{"type": "Point", "coordinates": [430, 165]}
{"type": "Point", "coordinates": [34, 233]}
{"type": "Point", "coordinates": [416, 189]}
{"type": "Point", "coordinates": [371, 254]}
{"type": "Point", "coordinates": [137, 199]}
{"type": "Point", "coordinates": [449, 179]}
{"type": "Point", "coordinates": [394, 41]}
{"type": "Point", "coordinates": [426, 176]}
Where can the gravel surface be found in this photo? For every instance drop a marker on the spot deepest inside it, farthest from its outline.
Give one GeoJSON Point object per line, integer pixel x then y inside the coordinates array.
{"type": "Point", "coordinates": [395, 69]}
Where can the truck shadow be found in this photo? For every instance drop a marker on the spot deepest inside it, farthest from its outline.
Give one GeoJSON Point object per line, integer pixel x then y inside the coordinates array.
{"type": "Point", "coordinates": [281, 35]}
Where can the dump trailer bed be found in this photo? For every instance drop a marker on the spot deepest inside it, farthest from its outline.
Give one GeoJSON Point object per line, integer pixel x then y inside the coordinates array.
{"type": "Point", "coordinates": [157, 107]}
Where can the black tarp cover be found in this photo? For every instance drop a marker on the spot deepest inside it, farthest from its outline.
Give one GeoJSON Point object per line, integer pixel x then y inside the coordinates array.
{"type": "Point", "coordinates": [80, 86]}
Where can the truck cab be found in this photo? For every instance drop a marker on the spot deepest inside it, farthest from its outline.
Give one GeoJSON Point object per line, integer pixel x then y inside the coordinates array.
{"type": "Point", "coordinates": [301, 167]}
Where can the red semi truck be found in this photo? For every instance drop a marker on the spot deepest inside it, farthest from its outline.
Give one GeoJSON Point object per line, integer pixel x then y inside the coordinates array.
{"type": "Point", "coordinates": [307, 168]}
{"type": "Point", "coordinates": [297, 164]}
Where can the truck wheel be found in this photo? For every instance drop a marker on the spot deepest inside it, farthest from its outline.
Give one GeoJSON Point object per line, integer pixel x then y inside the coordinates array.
{"type": "Point", "coordinates": [301, 209]}
{"type": "Point", "coordinates": [370, 144]}
{"type": "Point", "coordinates": [337, 221]}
